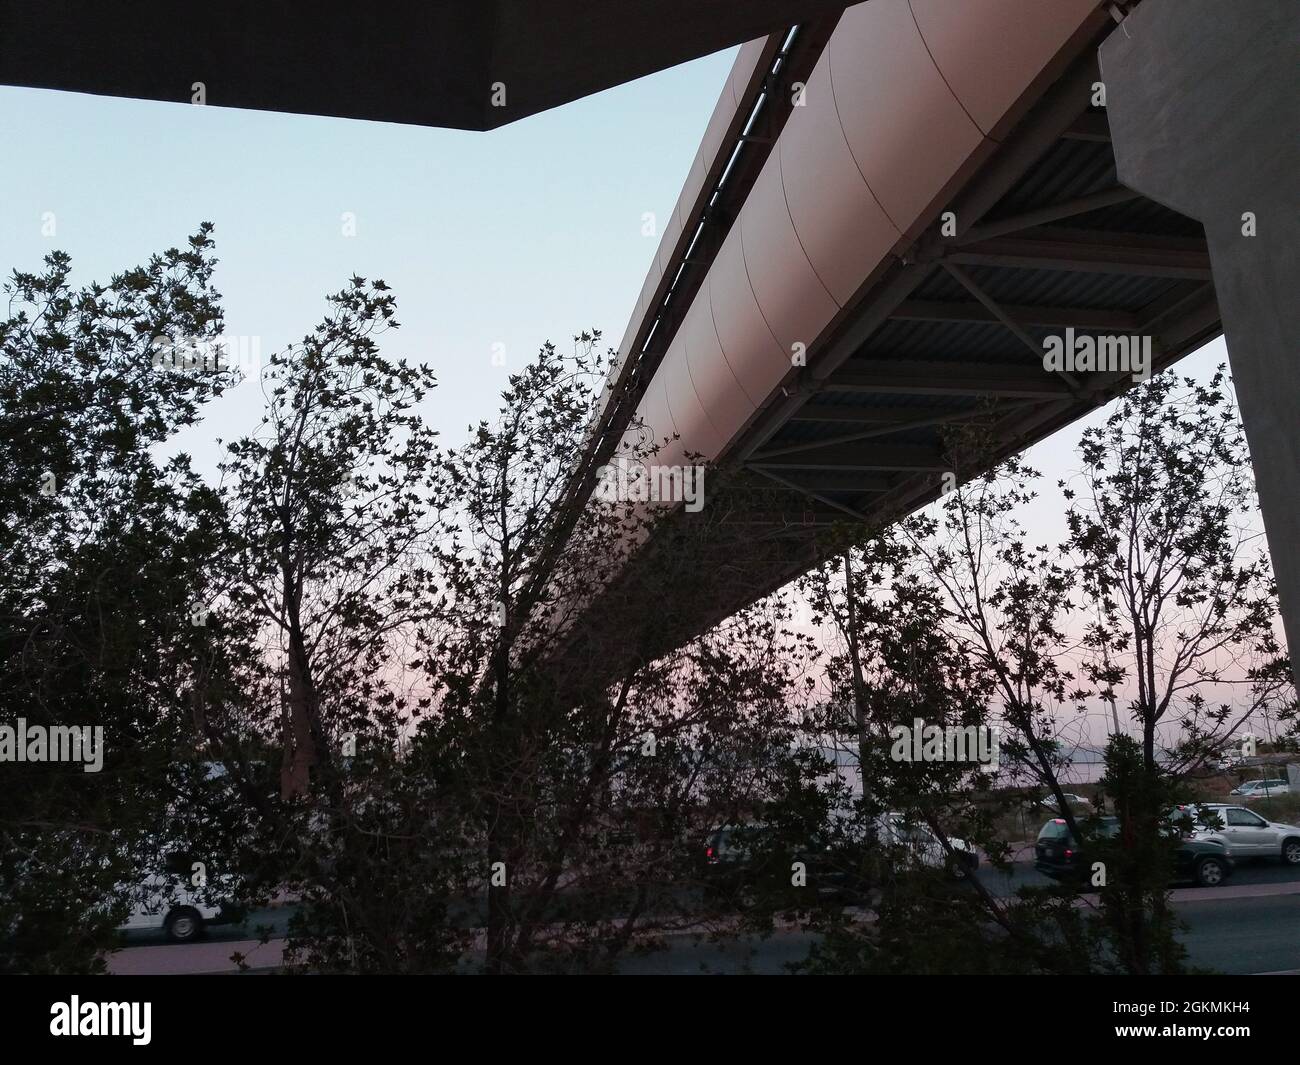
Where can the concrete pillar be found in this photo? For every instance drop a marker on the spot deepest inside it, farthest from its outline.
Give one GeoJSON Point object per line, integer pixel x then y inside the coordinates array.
{"type": "Point", "coordinates": [1203, 98]}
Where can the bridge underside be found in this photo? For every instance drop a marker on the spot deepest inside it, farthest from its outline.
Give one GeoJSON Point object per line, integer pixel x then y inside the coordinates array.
{"type": "Point", "coordinates": [949, 335]}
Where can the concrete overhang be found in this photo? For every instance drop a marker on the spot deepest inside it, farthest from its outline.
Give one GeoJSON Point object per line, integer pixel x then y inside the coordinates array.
{"type": "Point", "coordinates": [465, 64]}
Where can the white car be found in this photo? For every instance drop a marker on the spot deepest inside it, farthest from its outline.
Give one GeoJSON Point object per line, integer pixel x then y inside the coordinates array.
{"type": "Point", "coordinates": [1243, 833]}
{"type": "Point", "coordinates": [1075, 801]}
{"type": "Point", "coordinates": [160, 902]}
{"type": "Point", "coordinates": [922, 847]}
{"type": "Point", "coordinates": [1262, 789]}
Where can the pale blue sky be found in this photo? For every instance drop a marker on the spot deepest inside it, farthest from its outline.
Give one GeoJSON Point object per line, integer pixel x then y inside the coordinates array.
{"type": "Point", "coordinates": [527, 233]}
{"type": "Point", "coordinates": [523, 234]}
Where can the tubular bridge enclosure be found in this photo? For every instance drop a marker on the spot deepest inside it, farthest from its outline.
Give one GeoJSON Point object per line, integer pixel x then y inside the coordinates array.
{"type": "Point", "coordinates": [816, 318]}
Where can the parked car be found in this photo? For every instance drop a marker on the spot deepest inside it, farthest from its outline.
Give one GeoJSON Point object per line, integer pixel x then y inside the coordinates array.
{"type": "Point", "coordinates": [1261, 789]}
{"type": "Point", "coordinates": [170, 902]}
{"type": "Point", "coordinates": [1242, 832]}
{"type": "Point", "coordinates": [917, 845]}
{"type": "Point", "coordinates": [1077, 802]}
{"type": "Point", "coordinates": [1057, 854]}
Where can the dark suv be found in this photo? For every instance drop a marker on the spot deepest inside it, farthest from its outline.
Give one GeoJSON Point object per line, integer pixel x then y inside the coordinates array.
{"type": "Point", "coordinates": [1057, 854]}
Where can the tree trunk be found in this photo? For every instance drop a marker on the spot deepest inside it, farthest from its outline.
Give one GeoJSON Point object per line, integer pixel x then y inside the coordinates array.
{"type": "Point", "coordinates": [300, 754]}
{"type": "Point", "coordinates": [859, 686]}
{"type": "Point", "coordinates": [501, 825]}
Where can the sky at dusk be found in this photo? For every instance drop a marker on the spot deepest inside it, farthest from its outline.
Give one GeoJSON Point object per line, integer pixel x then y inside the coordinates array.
{"type": "Point", "coordinates": [511, 237]}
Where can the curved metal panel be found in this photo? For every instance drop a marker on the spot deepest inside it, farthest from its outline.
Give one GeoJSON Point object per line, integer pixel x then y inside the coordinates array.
{"type": "Point", "coordinates": [908, 133]}
{"type": "Point", "coordinates": [724, 123]}
{"type": "Point", "coordinates": [719, 390]}
{"type": "Point", "coordinates": [990, 51]}
{"type": "Point", "coordinates": [654, 412]}
{"type": "Point", "coordinates": [695, 427]}
{"type": "Point", "coordinates": [720, 394]}
{"type": "Point", "coordinates": [689, 200]}
{"type": "Point", "coordinates": [856, 169]}
{"type": "Point", "coordinates": [747, 344]}
{"type": "Point", "coordinates": [793, 300]}
{"type": "Point", "coordinates": [842, 229]}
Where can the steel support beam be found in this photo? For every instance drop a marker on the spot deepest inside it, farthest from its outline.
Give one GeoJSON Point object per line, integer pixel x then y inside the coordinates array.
{"type": "Point", "coordinates": [1014, 327]}
{"type": "Point", "coordinates": [829, 481]}
{"type": "Point", "coordinates": [825, 412]}
{"type": "Point", "coordinates": [1091, 126]}
{"type": "Point", "coordinates": [1101, 319]}
{"type": "Point", "coordinates": [1010, 380]}
{"type": "Point", "coordinates": [1127, 255]}
{"type": "Point", "coordinates": [775, 475]}
{"type": "Point", "coordinates": [930, 421]}
{"type": "Point", "coordinates": [845, 457]}
{"type": "Point", "coordinates": [1054, 212]}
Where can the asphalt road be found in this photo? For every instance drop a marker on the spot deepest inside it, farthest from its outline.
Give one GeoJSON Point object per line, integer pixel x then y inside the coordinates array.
{"type": "Point", "coordinates": [1251, 924]}
{"type": "Point", "coordinates": [1257, 935]}
{"type": "Point", "coordinates": [1248, 935]}
{"type": "Point", "coordinates": [1250, 876]}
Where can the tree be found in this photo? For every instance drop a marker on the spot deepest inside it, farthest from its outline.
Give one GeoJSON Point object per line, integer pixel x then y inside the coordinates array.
{"type": "Point", "coordinates": [958, 609]}
{"type": "Point", "coordinates": [331, 506]}
{"type": "Point", "coordinates": [596, 781]}
{"type": "Point", "coordinates": [324, 594]}
{"type": "Point", "coordinates": [1007, 601]}
{"type": "Point", "coordinates": [1187, 612]}
{"type": "Point", "coordinates": [573, 800]}
{"type": "Point", "coordinates": [1187, 604]}
{"type": "Point", "coordinates": [101, 547]}
{"type": "Point", "coordinates": [895, 663]}
{"type": "Point", "coordinates": [1178, 605]}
